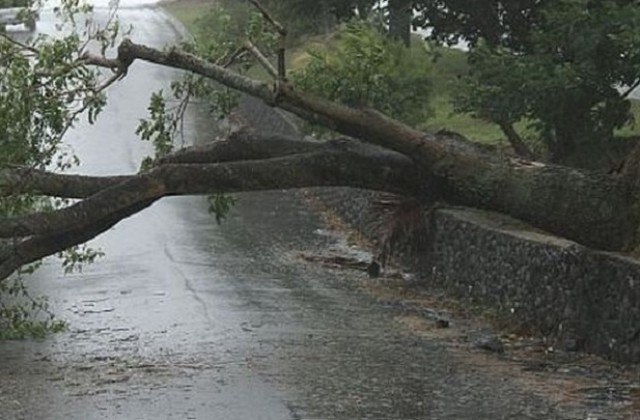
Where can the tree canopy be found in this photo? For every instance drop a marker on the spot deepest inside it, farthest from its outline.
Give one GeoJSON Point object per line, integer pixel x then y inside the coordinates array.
{"type": "Point", "coordinates": [566, 67]}
{"type": "Point", "coordinates": [505, 23]}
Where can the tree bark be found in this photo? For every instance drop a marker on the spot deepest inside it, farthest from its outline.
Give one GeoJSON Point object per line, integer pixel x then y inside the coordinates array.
{"type": "Point", "coordinates": [363, 8]}
{"type": "Point", "coordinates": [246, 162]}
{"type": "Point", "coordinates": [519, 146]}
{"type": "Point", "coordinates": [595, 209]}
{"type": "Point", "coordinates": [400, 14]}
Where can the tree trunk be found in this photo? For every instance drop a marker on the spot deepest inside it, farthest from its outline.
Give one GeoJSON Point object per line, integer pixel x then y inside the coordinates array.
{"type": "Point", "coordinates": [363, 7]}
{"type": "Point", "coordinates": [516, 142]}
{"type": "Point", "coordinates": [595, 209]}
{"type": "Point", "coordinates": [571, 132]}
{"type": "Point", "coordinates": [326, 18]}
{"type": "Point", "coordinates": [400, 14]}
{"type": "Point", "coordinates": [564, 142]}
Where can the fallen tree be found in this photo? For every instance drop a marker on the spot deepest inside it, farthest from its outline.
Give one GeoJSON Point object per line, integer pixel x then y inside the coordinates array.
{"type": "Point", "coordinates": [595, 209]}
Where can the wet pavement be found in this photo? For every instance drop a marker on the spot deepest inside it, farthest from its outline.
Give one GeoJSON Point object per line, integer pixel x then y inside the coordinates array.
{"type": "Point", "coordinates": [185, 319]}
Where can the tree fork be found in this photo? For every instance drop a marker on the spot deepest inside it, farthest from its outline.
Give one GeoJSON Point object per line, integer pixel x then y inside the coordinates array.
{"type": "Point", "coordinates": [249, 162]}
{"type": "Point", "coordinates": [594, 209]}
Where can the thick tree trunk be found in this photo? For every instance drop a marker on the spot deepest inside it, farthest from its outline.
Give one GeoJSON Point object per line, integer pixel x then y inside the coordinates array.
{"type": "Point", "coordinates": [400, 20]}
{"type": "Point", "coordinates": [326, 19]}
{"type": "Point", "coordinates": [564, 142]}
{"type": "Point", "coordinates": [595, 209]}
{"type": "Point", "coordinates": [571, 132]}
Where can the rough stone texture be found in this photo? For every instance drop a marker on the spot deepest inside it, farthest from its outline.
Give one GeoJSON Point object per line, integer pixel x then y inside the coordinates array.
{"type": "Point", "coordinates": [583, 299]}
{"type": "Point", "coordinates": [352, 205]}
{"type": "Point", "coordinates": [586, 299]}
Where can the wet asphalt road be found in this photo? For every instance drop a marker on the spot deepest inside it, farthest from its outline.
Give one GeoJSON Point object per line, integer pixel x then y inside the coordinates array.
{"type": "Point", "coordinates": [184, 319]}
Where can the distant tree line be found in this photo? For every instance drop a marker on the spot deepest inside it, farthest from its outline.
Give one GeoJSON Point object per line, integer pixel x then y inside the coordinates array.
{"type": "Point", "coordinates": [13, 3]}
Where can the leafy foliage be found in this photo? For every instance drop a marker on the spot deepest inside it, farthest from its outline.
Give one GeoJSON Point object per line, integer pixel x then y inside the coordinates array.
{"type": "Point", "coordinates": [75, 258]}
{"type": "Point", "coordinates": [220, 205]}
{"type": "Point", "coordinates": [505, 23]}
{"type": "Point", "coordinates": [160, 127]}
{"type": "Point", "coordinates": [13, 3]}
{"type": "Point", "coordinates": [559, 65]}
{"type": "Point", "coordinates": [44, 89]}
{"type": "Point", "coordinates": [217, 37]}
{"type": "Point", "coordinates": [22, 315]}
{"type": "Point", "coordinates": [366, 69]}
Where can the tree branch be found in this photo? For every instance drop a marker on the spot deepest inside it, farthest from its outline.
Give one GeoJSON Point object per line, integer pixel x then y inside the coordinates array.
{"type": "Point", "coordinates": [597, 210]}
{"type": "Point", "coordinates": [517, 143]}
{"type": "Point", "coordinates": [265, 13]}
{"type": "Point", "coordinates": [282, 31]}
{"type": "Point", "coordinates": [17, 180]}
{"type": "Point", "coordinates": [264, 62]}
{"type": "Point", "coordinates": [244, 145]}
{"type": "Point", "coordinates": [630, 89]}
{"type": "Point", "coordinates": [37, 247]}
{"type": "Point", "coordinates": [247, 162]}
{"type": "Point", "coordinates": [98, 206]}
{"type": "Point", "coordinates": [529, 191]}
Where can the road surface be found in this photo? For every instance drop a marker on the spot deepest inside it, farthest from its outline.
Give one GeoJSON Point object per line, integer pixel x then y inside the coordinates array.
{"type": "Point", "coordinates": [184, 319]}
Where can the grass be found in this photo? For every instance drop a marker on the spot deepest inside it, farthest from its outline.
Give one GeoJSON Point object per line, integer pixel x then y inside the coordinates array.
{"type": "Point", "coordinates": [448, 67]}
{"type": "Point", "coordinates": [186, 11]}
{"type": "Point", "coordinates": [632, 128]}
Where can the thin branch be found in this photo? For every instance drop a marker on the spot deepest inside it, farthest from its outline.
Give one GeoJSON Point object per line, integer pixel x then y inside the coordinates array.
{"type": "Point", "coordinates": [100, 61]}
{"type": "Point", "coordinates": [282, 68]}
{"type": "Point", "coordinates": [86, 104]}
{"type": "Point", "coordinates": [226, 62]}
{"type": "Point", "coordinates": [265, 13]}
{"type": "Point", "coordinates": [281, 30]}
{"type": "Point", "coordinates": [264, 61]}
{"type": "Point", "coordinates": [19, 44]}
{"type": "Point", "coordinates": [111, 80]}
{"type": "Point", "coordinates": [516, 141]}
{"type": "Point", "coordinates": [631, 88]}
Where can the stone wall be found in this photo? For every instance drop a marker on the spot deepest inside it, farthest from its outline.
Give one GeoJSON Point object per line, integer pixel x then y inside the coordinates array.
{"type": "Point", "coordinates": [585, 300]}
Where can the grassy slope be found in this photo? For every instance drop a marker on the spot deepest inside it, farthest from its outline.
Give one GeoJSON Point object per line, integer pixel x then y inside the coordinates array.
{"type": "Point", "coordinates": [186, 11]}
{"type": "Point", "coordinates": [450, 64]}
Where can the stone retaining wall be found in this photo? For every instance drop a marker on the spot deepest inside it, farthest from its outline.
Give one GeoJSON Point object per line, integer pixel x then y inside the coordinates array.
{"type": "Point", "coordinates": [586, 300]}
